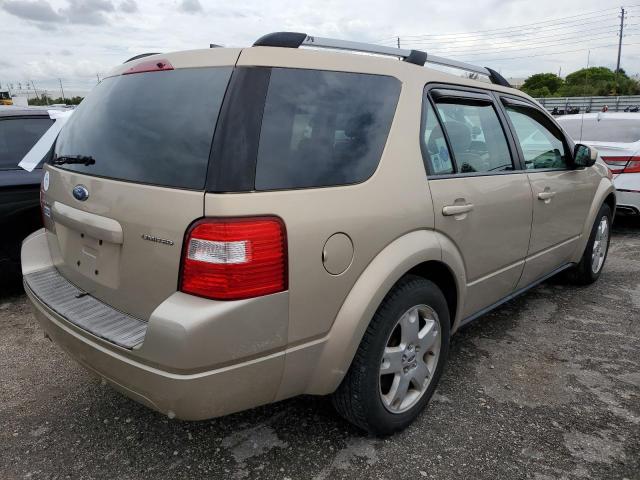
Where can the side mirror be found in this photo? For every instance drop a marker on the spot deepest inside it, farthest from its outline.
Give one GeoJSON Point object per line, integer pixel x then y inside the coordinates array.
{"type": "Point", "coordinates": [584, 156]}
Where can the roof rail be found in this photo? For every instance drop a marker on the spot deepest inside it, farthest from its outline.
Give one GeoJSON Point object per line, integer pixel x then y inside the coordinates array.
{"type": "Point", "coordinates": [417, 57]}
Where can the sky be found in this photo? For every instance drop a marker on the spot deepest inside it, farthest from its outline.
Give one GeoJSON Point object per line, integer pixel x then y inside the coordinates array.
{"type": "Point", "coordinates": [77, 40]}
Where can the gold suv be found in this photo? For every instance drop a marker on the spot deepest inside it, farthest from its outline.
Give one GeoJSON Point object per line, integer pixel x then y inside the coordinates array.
{"type": "Point", "coordinates": [301, 221]}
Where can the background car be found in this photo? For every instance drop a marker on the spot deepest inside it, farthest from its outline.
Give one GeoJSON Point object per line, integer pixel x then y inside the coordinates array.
{"type": "Point", "coordinates": [616, 136]}
{"type": "Point", "coordinates": [20, 129]}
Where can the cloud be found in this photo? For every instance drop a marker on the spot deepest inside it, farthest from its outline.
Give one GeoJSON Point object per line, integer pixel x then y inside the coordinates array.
{"type": "Point", "coordinates": [35, 10]}
{"type": "Point", "coordinates": [129, 6]}
{"type": "Point", "coordinates": [88, 12]}
{"type": "Point", "coordinates": [190, 6]}
{"type": "Point", "coordinates": [66, 53]}
{"type": "Point", "coordinates": [51, 68]}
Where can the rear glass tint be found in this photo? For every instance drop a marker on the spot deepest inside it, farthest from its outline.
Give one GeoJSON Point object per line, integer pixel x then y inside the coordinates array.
{"type": "Point", "coordinates": [153, 127]}
{"type": "Point", "coordinates": [323, 128]}
{"type": "Point", "coordinates": [17, 136]}
{"type": "Point", "coordinates": [614, 130]}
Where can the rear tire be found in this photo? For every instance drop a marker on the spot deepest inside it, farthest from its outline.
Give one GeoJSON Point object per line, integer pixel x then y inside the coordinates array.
{"type": "Point", "coordinates": [389, 360]}
{"type": "Point", "coordinates": [595, 253]}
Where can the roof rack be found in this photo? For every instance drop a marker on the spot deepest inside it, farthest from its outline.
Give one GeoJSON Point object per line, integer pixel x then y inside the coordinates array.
{"type": "Point", "coordinates": [417, 57]}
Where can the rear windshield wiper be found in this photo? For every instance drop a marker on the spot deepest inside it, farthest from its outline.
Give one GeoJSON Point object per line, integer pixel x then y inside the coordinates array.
{"type": "Point", "coordinates": [74, 159]}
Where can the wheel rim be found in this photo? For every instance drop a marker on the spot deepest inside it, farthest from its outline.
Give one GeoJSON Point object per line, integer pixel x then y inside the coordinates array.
{"type": "Point", "coordinates": [410, 358]}
{"type": "Point", "coordinates": [600, 244]}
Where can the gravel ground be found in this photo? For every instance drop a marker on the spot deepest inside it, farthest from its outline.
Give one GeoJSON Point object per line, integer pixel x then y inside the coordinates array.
{"type": "Point", "coordinates": [545, 387]}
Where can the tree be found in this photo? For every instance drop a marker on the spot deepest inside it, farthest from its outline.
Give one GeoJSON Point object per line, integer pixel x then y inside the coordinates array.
{"type": "Point", "coordinates": [46, 100]}
{"type": "Point", "coordinates": [542, 84]}
{"type": "Point", "coordinates": [598, 81]}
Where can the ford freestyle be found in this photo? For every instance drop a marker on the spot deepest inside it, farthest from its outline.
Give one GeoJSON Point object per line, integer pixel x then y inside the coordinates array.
{"type": "Point", "coordinates": [302, 221]}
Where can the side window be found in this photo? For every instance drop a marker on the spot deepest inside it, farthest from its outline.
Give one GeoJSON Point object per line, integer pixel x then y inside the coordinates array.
{"type": "Point", "coordinates": [542, 144]}
{"type": "Point", "coordinates": [17, 136]}
{"type": "Point", "coordinates": [476, 136]}
{"type": "Point", "coordinates": [322, 128]}
{"type": "Point", "coordinates": [434, 146]}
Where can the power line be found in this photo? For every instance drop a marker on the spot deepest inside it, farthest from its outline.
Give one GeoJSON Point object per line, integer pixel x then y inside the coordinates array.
{"type": "Point", "coordinates": [548, 54]}
{"type": "Point", "coordinates": [534, 24]}
{"type": "Point", "coordinates": [517, 33]}
{"type": "Point", "coordinates": [529, 46]}
{"type": "Point", "coordinates": [520, 43]}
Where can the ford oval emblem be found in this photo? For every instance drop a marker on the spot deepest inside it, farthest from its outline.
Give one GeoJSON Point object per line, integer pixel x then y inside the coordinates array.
{"type": "Point", "coordinates": [80, 192]}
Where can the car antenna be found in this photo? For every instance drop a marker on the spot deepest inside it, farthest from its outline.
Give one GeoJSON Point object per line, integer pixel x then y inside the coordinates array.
{"type": "Point", "coordinates": [586, 77]}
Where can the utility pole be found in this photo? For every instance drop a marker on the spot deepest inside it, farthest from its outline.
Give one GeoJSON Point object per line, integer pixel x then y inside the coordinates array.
{"type": "Point", "coordinates": [398, 42]}
{"type": "Point", "coordinates": [98, 75]}
{"type": "Point", "coordinates": [619, 45]}
{"type": "Point", "coordinates": [61, 89]}
{"type": "Point", "coordinates": [34, 88]}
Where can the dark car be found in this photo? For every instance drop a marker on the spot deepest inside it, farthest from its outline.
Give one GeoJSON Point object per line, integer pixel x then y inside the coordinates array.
{"type": "Point", "coordinates": [20, 129]}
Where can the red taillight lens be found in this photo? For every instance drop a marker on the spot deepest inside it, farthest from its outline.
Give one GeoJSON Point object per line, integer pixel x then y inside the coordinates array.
{"type": "Point", "coordinates": [149, 66]}
{"type": "Point", "coordinates": [616, 164]}
{"type": "Point", "coordinates": [633, 166]}
{"type": "Point", "coordinates": [230, 259]}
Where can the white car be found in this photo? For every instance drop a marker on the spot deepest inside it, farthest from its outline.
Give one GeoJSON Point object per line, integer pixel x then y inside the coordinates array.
{"type": "Point", "coordinates": [616, 136]}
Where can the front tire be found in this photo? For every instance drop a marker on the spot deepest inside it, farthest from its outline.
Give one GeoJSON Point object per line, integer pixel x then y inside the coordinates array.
{"type": "Point", "coordinates": [595, 253]}
{"type": "Point", "coordinates": [399, 361]}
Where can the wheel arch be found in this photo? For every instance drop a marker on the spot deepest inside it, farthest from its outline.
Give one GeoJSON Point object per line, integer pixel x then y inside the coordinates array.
{"type": "Point", "coordinates": [419, 252]}
{"type": "Point", "coordinates": [605, 193]}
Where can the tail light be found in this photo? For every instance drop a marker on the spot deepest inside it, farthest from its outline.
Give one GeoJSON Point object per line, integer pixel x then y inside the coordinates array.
{"type": "Point", "coordinates": [633, 166]}
{"type": "Point", "coordinates": [231, 259]}
{"type": "Point", "coordinates": [623, 164]}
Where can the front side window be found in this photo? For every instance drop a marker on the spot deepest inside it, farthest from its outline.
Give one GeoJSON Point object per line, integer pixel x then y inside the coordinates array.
{"type": "Point", "coordinates": [542, 144]}
{"type": "Point", "coordinates": [476, 137]}
{"type": "Point", "coordinates": [17, 136]}
{"type": "Point", "coordinates": [322, 128]}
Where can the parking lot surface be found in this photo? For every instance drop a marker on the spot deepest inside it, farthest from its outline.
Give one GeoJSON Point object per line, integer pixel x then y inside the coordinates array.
{"type": "Point", "coordinates": [545, 387]}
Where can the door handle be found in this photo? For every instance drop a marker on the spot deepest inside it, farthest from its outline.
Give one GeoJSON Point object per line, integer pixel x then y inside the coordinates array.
{"type": "Point", "coordinates": [546, 196]}
{"type": "Point", "coordinates": [456, 209]}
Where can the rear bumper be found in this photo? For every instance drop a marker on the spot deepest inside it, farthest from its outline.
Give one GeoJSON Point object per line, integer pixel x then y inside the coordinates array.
{"type": "Point", "coordinates": [189, 365]}
{"type": "Point", "coordinates": [628, 202]}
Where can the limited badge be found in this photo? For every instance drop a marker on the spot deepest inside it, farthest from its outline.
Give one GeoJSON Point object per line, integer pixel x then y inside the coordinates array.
{"type": "Point", "coordinates": [45, 181]}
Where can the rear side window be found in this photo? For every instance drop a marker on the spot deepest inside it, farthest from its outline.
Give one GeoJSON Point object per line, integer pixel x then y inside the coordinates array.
{"type": "Point", "coordinates": [154, 127]}
{"type": "Point", "coordinates": [434, 147]}
{"type": "Point", "coordinates": [476, 137]}
{"type": "Point", "coordinates": [17, 136]}
{"type": "Point", "coordinates": [322, 128]}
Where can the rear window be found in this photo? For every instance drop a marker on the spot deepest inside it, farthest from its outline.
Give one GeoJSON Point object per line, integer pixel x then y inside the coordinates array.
{"type": "Point", "coordinates": [154, 127]}
{"type": "Point", "coordinates": [322, 128]}
{"type": "Point", "coordinates": [615, 130]}
{"type": "Point", "coordinates": [17, 136]}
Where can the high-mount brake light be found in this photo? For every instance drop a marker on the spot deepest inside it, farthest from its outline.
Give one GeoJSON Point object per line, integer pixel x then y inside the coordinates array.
{"type": "Point", "coordinates": [232, 259]}
{"type": "Point", "coordinates": [149, 66]}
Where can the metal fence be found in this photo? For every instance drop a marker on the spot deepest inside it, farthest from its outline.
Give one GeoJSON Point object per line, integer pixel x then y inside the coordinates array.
{"type": "Point", "coordinates": [589, 104]}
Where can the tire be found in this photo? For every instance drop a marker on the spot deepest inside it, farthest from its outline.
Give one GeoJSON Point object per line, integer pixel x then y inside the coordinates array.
{"type": "Point", "coordinates": [367, 396]}
{"type": "Point", "coordinates": [587, 272]}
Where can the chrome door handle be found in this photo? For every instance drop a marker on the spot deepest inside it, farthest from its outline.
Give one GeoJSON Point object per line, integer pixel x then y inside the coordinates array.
{"type": "Point", "coordinates": [546, 195]}
{"type": "Point", "coordinates": [456, 209]}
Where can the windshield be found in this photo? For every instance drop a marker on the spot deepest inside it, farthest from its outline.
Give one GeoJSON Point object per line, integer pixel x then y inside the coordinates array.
{"type": "Point", "coordinates": [615, 130]}
{"type": "Point", "coordinates": [153, 127]}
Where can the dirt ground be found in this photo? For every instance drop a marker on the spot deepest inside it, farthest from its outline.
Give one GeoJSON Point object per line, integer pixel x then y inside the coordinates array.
{"type": "Point", "coordinates": [545, 387]}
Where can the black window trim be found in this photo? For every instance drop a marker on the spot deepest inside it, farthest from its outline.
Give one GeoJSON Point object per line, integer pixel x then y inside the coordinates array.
{"type": "Point", "coordinates": [472, 94]}
{"type": "Point", "coordinates": [506, 100]}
